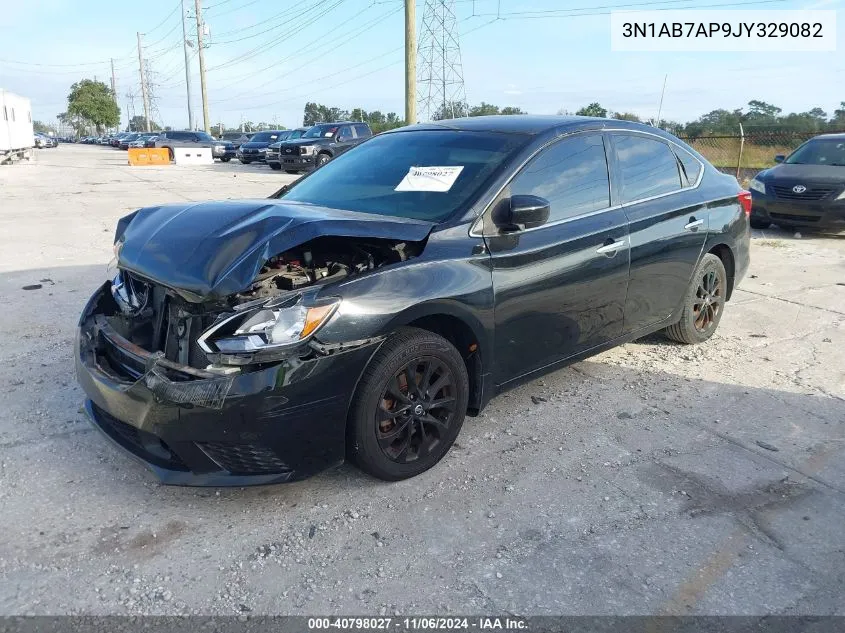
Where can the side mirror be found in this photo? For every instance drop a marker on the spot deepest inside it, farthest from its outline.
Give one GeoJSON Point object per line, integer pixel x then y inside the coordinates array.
{"type": "Point", "coordinates": [779, 158]}
{"type": "Point", "coordinates": [521, 212]}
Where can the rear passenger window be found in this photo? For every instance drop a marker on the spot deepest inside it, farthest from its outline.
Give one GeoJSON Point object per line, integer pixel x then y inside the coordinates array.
{"type": "Point", "coordinates": [692, 167]}
{"type": "Point", "coordinates": [647, 167]}
{"type": "Point", "coordinates": [362, 131]}
{"type": "Point", "coordinates": [571, 175]}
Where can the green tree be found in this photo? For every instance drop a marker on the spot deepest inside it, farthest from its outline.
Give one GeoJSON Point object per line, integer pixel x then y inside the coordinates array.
{"type": "Point", "coordinates": [43, 128]}
{"type": "Point", "coordinates": [93, 101]}
{"type": "Point", "coordinates": [319, 113]}
{"type": "Point", "coordinates": [594, 109]}
{"type": "Point", "coordinates": [484, 109]}
{"type": "Point", "coordinates": [838, 119]}
{"type": "Point", "coordinates": [626, 116]}
{"type": "Point", "coordinates": [512, 110]}
{"type": "Point", "coordinates": [451, 110]}
{"type": "Point", "coordinates": [138, 124]}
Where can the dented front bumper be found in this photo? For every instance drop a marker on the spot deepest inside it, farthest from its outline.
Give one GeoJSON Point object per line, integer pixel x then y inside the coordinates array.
{"type": "Point", "coordinates": [193, 427]}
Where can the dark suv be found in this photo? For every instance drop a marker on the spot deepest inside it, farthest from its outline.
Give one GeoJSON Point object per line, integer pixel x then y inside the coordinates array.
{"type": "Point", "coordinates": [365, 309]}
{"type": "Point", "coordinates": [255, 149]}
{"type": "Point", "coordinates": [320, 144]}
{"type": "Point", "coordinates": [223, 150]}
{"type": "Point", "coordinates": [274, 149]}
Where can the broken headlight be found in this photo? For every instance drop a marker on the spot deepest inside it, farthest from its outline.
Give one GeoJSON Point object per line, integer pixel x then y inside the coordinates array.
{"type": "Point", "coordinates": [273, 326]}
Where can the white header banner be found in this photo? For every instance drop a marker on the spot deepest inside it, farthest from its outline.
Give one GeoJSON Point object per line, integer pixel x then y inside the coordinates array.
{"type": "Point", "coordinates": [723, 30]}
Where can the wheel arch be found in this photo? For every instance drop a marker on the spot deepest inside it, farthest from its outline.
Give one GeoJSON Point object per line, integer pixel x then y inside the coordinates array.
{"type": "Point", "coordinates": [463, 330]}
{"type": "Point", "coordinates": [726, 255]}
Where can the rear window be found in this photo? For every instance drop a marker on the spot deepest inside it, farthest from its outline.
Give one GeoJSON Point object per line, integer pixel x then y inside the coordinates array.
{"type": "Point", "coordinates": [366, 177]}
{"type": "Point", "coordinates": [363, 131]}
{"type": "Point", "coordinates": [647, 166]}
{"type": "Point", "coordinates": [692, 167]}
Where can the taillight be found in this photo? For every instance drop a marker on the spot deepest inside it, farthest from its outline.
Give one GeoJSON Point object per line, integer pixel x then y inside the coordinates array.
{"type": "Point", "coordinates": [745, 201]}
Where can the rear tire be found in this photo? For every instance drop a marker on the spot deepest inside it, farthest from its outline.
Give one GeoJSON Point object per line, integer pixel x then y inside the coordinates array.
{"type": "Point", "coordinates": [245, 162]}
{"type": "Point", "coordinates": [225, 160]}
{"type": "Point", "coordinates": [704, 303]}
{"type": "Point", "coordinates": [409, 406]}
{"type": "Point", "coordinates": [760, 224]}
{"type": "Point", "coordinates": [291, 171]}
{"type": "Point", "coordinates": [275, 166]}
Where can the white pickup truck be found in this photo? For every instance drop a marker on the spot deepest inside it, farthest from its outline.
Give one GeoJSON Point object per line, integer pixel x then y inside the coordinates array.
{"type": "Point", "coordinates": [16, 137]}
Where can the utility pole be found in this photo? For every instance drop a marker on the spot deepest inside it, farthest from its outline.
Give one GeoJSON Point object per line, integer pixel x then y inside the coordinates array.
{"type": "Point", "coordinates": [198, 7]}
{"type": "Point", "coordinates": [113, 86]}
{"type": "Point", "coordinates": [187, 67]}
{"type": "Point", "coordinates": [143, 85]}
{"type": "Point", "coordinates": [410, 62]}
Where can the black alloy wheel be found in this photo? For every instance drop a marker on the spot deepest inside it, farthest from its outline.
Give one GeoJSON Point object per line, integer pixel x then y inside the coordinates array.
{"type": "Point", "coordinates": [704, 303]}
{"type": "Point", "coordinates": [409, 406]}
{"type": "Point", "coordinates": [416, 410]}
{"type": "Point", "coordinates": [710, 297]}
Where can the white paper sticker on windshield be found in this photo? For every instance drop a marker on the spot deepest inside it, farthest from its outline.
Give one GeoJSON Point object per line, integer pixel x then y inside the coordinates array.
{"type": "Point", "coordinates": [328, 134]}
{"type": "Point", "coordinates": [429, 178]}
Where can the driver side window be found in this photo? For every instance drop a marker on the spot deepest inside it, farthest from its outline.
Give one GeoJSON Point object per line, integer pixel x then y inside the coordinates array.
{"type": "Point", "coordinates": [571, 174]}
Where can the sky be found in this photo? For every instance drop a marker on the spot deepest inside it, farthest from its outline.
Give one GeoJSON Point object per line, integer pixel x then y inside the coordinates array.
{"type": "Point", "coordinates": [266, 58]}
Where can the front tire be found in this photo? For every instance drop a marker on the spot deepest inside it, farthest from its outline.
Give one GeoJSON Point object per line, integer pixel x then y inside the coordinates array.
{"type": "Point", "coordinates": [275, 166]}
{"type": "Point", "coordinates": [225, 160]}
{"type": "Point", "coordinates": [245, 162]}
{"type": "Point", "coordinates": [704, 303]}
{"type": "Point", "coordinates": [291, 171]}
{"type": "Point", "coordinates": [409, 406]}
{"type": "Point", "coordinates": [322, 159]}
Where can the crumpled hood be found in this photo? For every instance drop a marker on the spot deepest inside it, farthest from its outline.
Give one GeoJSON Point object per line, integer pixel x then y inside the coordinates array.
{"type": "Point", "coordinates": [210, 250]}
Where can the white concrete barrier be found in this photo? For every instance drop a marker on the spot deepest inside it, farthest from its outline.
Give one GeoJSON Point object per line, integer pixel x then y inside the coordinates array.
{"type": "Point", "coordinates": [193, 156]}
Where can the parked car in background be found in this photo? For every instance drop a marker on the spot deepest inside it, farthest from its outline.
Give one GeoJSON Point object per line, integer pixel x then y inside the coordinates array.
{"type": "Point", "coordinates": [170, 139]}
{"type": "Point", "coordinates": [43, 141]}
{"type": "Point", "coordinates": [115, 139]}
{"type": "Point", "coordinates": [129, 138]}
{"type": "Point", "coordinates": [320, 144]}
{"type": "Point", "coordinates": [273, 150]}
{"type": "Point", "coordinates": [237, 138]}
{"type": "Point", "coordinates": [144, 140]}
{"type": "Point", "coordinates": [806, 189]}
{"type": "Point", "coordinates": [366, 309]}
{"type": "Point", "coordinates": [255, 149]}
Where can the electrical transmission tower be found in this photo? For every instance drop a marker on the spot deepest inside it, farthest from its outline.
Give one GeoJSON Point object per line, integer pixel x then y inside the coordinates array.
{"type": "Point", "coordinates": [440, 77]}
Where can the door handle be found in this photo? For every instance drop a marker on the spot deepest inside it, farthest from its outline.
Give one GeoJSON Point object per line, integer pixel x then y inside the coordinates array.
{"type": "Point", "coordinates": [693, 224]}
{"type": "Point", "coordinates": [611, 247]}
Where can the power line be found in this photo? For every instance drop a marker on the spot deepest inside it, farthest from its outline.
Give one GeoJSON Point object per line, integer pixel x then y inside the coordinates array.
{"type": "Point", "coordinates": [331, 45]}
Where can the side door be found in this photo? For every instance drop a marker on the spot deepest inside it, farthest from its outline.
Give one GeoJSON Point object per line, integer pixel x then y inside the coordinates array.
{"type": "Point", "coordinates": [559, 288]}
{"type": "Point", "coordinates": [668, 224]}
{"type": "Point", "coordinates": [362, 132]}
{"type": "Point", "coordinates": [344, 139]}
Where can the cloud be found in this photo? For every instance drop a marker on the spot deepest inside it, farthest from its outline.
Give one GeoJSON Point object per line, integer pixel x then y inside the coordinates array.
{"type": "Point", "coordinates": [511, 89]}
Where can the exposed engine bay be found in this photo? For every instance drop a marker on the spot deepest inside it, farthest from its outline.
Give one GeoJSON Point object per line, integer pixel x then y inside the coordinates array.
{"type": "Point", "coordinates": [325, 260]}
{"type": "Point", "coordinates": [158, 319]}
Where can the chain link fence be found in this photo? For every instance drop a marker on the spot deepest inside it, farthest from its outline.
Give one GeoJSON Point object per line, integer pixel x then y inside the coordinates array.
{"type": "Point", "coordinates": [743, 155]}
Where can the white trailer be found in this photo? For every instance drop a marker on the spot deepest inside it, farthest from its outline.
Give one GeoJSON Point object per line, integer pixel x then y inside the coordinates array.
{"type": "Point", "coordinates": [16, 137]}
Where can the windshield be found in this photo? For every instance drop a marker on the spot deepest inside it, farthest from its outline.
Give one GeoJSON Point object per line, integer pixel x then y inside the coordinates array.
{"type": "Point", "coordinates": [321, 130]}
{"type": "Point", "coordinates": [823, 151]}
{"type": "Point", "coordinates": [376, 176]}
{"type": "Point", "coordinates": [265, 137]}
{"type": "Point", "coordinates": [295, 134]}
{"type": "Point", "coordinates": [231, 136]}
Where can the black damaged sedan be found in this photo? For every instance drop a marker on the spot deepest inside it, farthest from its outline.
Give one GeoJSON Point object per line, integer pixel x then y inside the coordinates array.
{"type": "Point", "coordinates": [365, 310]}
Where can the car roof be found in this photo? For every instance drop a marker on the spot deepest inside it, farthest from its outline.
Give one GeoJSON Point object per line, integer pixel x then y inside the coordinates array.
{"type": "Point", "coordinates": [839, 136]}
{"type": "Point", "coordinates": [530, 124]}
